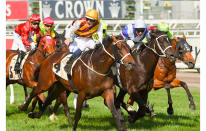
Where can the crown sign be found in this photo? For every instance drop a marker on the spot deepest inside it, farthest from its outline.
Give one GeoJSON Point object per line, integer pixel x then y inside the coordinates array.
{"type": "Point", "coordinates": [46, 9]}
{"type": "Point", "coordinates": [114, 9]}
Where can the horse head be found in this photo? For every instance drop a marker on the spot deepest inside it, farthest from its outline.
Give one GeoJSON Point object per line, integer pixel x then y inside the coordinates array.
{"type": "Point", "coordinates": [183, 50]}
{"type": "Point", "coordinates": [47, 44]}
{"type": "Point", "coordinates": [121, 52]}
{"type": "Point", "coordinates": [60, 45]}
{"type": "Point", "coordinates": [161, 45]}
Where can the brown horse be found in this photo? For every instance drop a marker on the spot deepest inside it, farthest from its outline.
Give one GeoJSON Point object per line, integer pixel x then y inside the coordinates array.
{"type": "Point", "coordinates": [165, 73]}
{"type": "Point", "coordinates": [135, 83]}
{"type": "Point", "coordinates": [44, 48]}
{"type": "Point", "coordinates": [90, 77]}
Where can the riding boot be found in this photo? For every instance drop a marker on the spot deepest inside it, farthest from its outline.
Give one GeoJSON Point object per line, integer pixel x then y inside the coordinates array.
{"type": "Point", "coordinates": [69, 63]}
{"type": "Point", "coordinates": [18, 61]}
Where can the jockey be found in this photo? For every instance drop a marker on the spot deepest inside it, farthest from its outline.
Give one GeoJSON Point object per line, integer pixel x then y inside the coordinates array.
{"type": "Point", "coordinates": [86, 33]}
{"type": "Point", "coordinates": [135, 33]}
{"type": "Point", "coordinates": [104, 25]}
{"type": "Point", "coordinates": [47, 27]}
{"type": "Point", "coordinates": [24, 37]}
{"type": "Point", "coordinates": [162, 27]}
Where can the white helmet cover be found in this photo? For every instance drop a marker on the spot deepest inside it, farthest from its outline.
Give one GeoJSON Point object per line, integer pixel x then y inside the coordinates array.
{"type": "Point", "coordinates": [140, 24]}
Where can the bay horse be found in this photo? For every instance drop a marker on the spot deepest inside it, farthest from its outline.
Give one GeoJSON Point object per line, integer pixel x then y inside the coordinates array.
{"type": "Point", "coordinates": [89, 75]}
{"type": "Point", "coordinates": [165, 73]}
{"type": "Point", "coordinates": [44, 48]}
{"type": "Point", "coordinates": [136, 83]}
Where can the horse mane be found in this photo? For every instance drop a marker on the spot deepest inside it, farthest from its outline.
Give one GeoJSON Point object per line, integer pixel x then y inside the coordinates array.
{"type": "Point", "coordinates": [32, 52]}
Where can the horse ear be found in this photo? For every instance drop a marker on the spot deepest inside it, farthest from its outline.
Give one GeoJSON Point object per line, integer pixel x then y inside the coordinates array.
{"type": "Point", "coordinates": [176, 39]}
{"type": "Point", "coordinates": [173, 42]}
{"type": "Point", "coordinates": [121, 36]}
{"type": "Point", "coordinates": [114, 38]}
{"type": "Point", "coordinates": [184, 37]}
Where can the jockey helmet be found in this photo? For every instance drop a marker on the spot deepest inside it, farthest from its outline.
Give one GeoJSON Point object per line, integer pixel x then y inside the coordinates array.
{"type": "Point", "coordinates": [34, 17]}
{"type": "Point", "coordinates": [163, 27]}
{"type": "Point", "coordinates": [92, 14]}
{"type": "Point", "coordinates": [140, 25]}
{"type": "Point", "coordinates": [48, 21]}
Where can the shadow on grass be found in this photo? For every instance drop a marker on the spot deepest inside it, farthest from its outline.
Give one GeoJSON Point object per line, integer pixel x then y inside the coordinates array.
{"type": "Point", "coordinates": [107, 122]}
{"type": "Point", "coordinates": [146, 123]}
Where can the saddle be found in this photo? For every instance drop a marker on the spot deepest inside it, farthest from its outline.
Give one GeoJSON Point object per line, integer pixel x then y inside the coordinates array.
{"type": "Point", "coordinates": [58, 68]}
{"type": "Point", "coordinates": [13, 75]}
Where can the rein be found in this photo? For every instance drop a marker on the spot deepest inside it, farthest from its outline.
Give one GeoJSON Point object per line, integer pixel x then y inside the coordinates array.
{"type": "Point", "coordinates": [163, 51]}
{"type": "Point", "coordinates": [113, 57]}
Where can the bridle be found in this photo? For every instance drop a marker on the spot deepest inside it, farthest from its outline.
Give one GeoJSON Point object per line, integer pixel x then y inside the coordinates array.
{"type": "Point", "coordinates": [158, 45]}
{"type": "Point", "coordinates": [116, 57]}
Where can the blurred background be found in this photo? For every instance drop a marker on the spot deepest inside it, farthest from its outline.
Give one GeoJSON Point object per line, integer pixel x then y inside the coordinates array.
{"type": "Point", "coordinates": [183, 16]}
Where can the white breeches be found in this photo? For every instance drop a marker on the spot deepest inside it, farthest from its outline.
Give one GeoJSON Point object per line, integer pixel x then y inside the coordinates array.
{"type": "Point", "coordinates": [72, 47]}
{"type": "Point", "coordinates": [18, 44]}
{"type": "Point", "coordinates": [84, 43]}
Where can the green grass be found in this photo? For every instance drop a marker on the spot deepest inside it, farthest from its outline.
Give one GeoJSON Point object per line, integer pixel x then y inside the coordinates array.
{"type": "Point", "coordinates": [98, 117]}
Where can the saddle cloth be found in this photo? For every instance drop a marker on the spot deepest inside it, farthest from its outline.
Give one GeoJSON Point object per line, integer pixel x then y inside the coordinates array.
{"type": "Point", "coordinates": [13, 75]}
{"type": "Point", "coordinates": [58, 68]}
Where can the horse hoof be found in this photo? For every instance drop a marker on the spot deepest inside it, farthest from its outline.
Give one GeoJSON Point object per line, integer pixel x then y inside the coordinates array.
{"type": "Point", "coordinates": [22, 108]}
{"type": "Point", "coordinates": [153, 114]}
{"type": "Point", "coordinates": [122, 129]}
{"type": "Point", "coordinates": [192, 106]}
{"type": "Point", "coordinates": [131, 119]}
{"type": "Point", "coordinates": [170, 111]}
{"type": "Point", "coordinates": [33, 115]}
{"type": "Point", "coordinates": [125, 123]}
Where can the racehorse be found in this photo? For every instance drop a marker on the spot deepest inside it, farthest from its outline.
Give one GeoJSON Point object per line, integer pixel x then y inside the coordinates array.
{"type": "Point", "coordinates": [89, 75]}
{"type": "Point", "coordinates": [44, 48]}
{"type": "Point", "coordinates": [165, 73]}
{"type": "Point", "coordinates": [136, 83]}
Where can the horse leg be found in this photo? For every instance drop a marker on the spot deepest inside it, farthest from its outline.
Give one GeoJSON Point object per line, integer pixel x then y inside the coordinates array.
{"type": "Point", "coordinates": [142, 109]}
{"type": "Point", "coordinates": [119, 102]}
{"type": "Point", "coordinates": [170, 108]}
{"type": "Point", "coordinates": [56, 106]}
{"type": "Point", "coordinates": [65, 105]}
{"type": "Point", "coordinates": [192, 104]}
{"type": "Point", "coordinates": [108, 95]}
{"type": "Point", "coordinates": [75, 100]}
{"type": "Point", "coordinates": [62, 99]}
{"type": "Point", "coordinates": [80, 100]}
{"type": "Point", "coordinates": [26, 104]}
{"type": "Point", "coordinates": [34, 101]}
{"type": "Point", "coordinates": [33, 93]}
{"type": "Point", "coordinates": [12, 94]}
{"type": "Point", "coordinates": [54, 93]}
{"type": "Point", "coordinates": [25, 92]}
